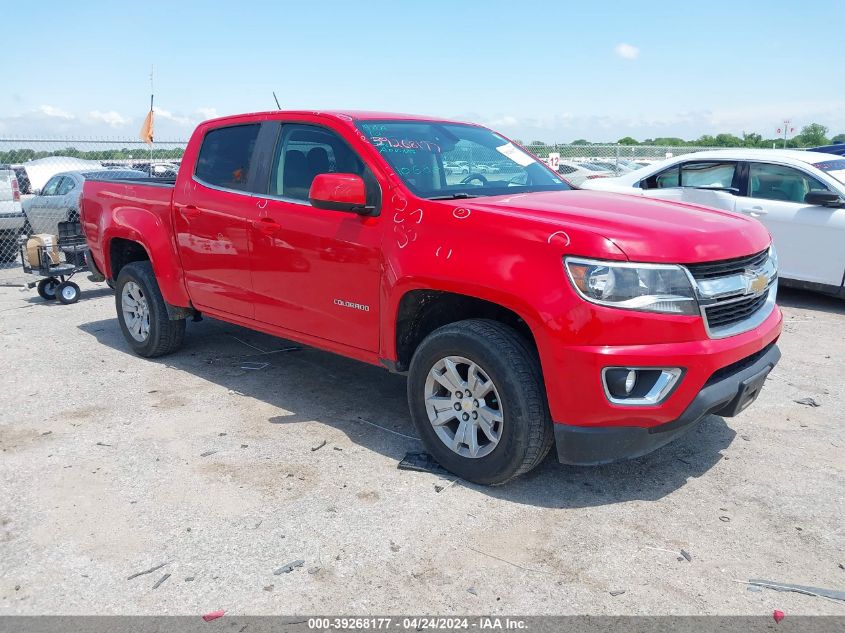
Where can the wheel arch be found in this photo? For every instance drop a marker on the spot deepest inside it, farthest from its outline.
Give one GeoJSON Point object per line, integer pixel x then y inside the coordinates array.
{"type": "Point", "coordinates": [420, 311]}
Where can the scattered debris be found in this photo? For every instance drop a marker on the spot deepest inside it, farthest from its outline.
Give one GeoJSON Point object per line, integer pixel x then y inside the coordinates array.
{"type": "Point", "coordinates": [724, 518]}
{"type": "Point", "coordinates": [446, 487]}
{"type": "Point", "coordinates": [841, 566]}
{"type": "Point", "coordinates": [189, 578]}
{"type": "Point", "coordinates": [472, 591]}
{"type": "Point", "coordinates": [807, 402]}
{"type": "Point", "coordinates": [439, 488]}
{"type": "Point", "coordinates": [421, 463]}
{"type": "Point", "coordinates": [208, 617]}
{"type": "Point", "coordinates": [337, 448]}
{"type": "Point", "coordinates": [244, 445]}
{"type": "Point", "coordinates": [819, 592]}
{"type": "Point", "coordinates": [148, 571]}
{"type": "Point", "coordinates": [220, 434]}
{"type": "Point", "coordinates": [747, 438]}
{"type": "Point", "coordinates": [617, 592]}
{"type": "Point", "coordinates": [251, 366]}
{"type": "Point", "coordinates": [47, 433]}
{"type": "Point", "coordinates": [286, 569]}
{"type": "Point", "coordinates": [384, 428]}
{"type": "Point", "coordinates": [686, 555]}
{"type": "Point", "coordinates": [269, 588]}
{"type": "Point", "coordinates": [161, 581]}
{"type": "Point", "coordinates": [319, 446]}
{"type": "Point", "coordinates": [102, 444]}
{"type": "Point", "coordinates": [207, 453]}
{"type": "Point", "coordinates": [504, 560]}
{"type": "Point", "coordinates": [778, 615]}
{"type": "Point", "coordinates": [754, 588]}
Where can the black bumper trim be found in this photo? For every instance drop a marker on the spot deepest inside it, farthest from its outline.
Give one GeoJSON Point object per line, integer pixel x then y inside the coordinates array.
{"type": "Point", "coordinates": [588, 446]}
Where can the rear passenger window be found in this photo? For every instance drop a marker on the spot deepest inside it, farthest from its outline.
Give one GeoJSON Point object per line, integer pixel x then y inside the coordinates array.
{"type": "Point", "coordinates": [695, 174]}
{"type": "Point", "coordinates": [225, 155]}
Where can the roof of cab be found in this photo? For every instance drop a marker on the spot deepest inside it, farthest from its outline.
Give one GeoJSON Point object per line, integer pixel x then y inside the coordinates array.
{"type": "Point", "coordinates": [343, 115]}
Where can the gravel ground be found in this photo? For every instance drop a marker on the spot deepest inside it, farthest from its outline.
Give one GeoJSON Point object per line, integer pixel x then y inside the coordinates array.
{"type": "Point", "coordinates": [112, 464]}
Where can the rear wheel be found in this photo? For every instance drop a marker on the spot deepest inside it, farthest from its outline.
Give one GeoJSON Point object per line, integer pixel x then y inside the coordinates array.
{"type": "Point", "coordinates": [47, 288]}
{"type": "Point", "coordinates": [8, 250]}
{"type": "Point", "coordinates": [477, 399]}
{"type": "Point", "coordinates": [142, 313]}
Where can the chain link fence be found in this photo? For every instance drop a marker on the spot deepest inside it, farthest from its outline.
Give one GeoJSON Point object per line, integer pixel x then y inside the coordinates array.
{"type": "Point", "coordinates": [41, 179]}
{"type": "Point", "coordinates": [41, 185]}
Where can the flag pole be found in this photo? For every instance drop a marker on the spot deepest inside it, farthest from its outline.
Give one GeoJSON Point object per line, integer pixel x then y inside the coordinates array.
{"type": "Point", "coordinates": [152, 92]}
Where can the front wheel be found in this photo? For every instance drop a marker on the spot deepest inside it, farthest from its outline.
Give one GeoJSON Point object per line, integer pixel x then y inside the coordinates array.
{"type": "Point", "coordinates": [476, 396]}
{"type": "Point", "coordinates": [142, 313]}
{"type": "Point", "coordinates": [67, 292]}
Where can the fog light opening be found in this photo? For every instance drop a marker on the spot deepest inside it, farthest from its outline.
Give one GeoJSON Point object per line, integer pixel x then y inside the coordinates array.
{"type": "Point", "coordinates": [639, 385]}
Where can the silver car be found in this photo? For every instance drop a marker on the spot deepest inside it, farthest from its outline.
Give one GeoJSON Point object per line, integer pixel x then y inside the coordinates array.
{"type": "Point", "coordinates": [59, 200]}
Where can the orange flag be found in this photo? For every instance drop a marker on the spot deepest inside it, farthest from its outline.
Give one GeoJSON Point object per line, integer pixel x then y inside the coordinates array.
{"type": "Point", "coordinates": [146, 133]}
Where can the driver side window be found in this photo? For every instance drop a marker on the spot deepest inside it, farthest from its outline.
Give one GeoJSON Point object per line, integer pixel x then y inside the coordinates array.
{"type": "Point", "coordinates": [52, 186]}
{"type": "Point", "coordinates": [778, 182]}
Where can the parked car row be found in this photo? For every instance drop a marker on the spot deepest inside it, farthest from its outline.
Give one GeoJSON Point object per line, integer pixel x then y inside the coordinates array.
{"type": "Point", "coordinates": [799, 196]}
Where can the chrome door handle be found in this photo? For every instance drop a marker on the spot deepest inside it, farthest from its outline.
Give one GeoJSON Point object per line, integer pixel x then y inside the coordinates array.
{"type": "Point", "coordinates": [754, 211]}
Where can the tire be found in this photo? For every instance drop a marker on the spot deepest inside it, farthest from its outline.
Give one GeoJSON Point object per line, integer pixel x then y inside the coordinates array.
{"type": "Point", "coordinates": [67, 292]}
{"type": "Point", "coordinates": [150, 332]}
{"type": "Point", "coordinates": [8, 250]}
{"type": "Point", "coordinates": [517, 397]}
{"type": "Point", "coordinates": [47, 288]}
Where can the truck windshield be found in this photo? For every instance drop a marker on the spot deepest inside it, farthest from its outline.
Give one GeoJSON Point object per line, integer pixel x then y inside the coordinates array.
{"type": "Point", "coordinates": [451, 160]}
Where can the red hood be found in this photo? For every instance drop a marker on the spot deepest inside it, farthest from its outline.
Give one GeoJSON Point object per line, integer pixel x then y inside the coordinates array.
{"type": "Point", "coordinates": [645, 229]}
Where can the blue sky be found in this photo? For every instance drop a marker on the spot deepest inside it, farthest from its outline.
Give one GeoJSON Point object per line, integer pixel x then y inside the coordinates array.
{"type": "Point", "coordinates": [552, 71]}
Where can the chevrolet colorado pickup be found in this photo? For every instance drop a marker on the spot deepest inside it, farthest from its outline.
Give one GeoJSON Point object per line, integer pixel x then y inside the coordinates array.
{"type": "Point", "coordinates": [526, 313]}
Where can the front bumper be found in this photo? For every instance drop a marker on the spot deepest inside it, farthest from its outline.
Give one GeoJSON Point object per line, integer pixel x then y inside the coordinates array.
{"type": "Point", "coordinates": [727, 392]}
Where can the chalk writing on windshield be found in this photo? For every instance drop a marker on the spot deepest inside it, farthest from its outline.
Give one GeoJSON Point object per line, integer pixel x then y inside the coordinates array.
{"type": "Point", "coordinates": [388, 144]}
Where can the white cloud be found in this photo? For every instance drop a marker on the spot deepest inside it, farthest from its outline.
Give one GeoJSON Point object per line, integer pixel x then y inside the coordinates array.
{"type": "Point", "coordinates": [168, 115]}
{"type": "Point", "coordinates": [208, 113]}
{"type": "Point", "coordinates": [110, 118]}
{"type": "Point", "coordinates": [54, 112]}
{"type": "Point", "coordinates": [627, 51]}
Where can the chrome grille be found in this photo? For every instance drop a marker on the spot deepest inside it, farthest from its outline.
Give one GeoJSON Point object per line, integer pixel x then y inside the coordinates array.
{"type": "Point", "coordinates": [727, 267]}
{"type": "Point", "coordinates": [725, 314]}
{"type": "Point", "coordinates": [735, 295]}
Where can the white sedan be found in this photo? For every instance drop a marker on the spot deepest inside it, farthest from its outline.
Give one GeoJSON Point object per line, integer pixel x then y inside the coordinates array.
{"type": "Point", "coordinates": [799, 196]}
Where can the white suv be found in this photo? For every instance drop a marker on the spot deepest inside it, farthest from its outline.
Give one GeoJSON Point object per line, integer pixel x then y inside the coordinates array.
{"type": "Point", "coordinates": [11, 215]}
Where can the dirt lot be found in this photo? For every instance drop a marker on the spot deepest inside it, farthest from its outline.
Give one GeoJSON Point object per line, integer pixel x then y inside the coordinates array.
{"type": "Point", "coordinates": [112, 464]}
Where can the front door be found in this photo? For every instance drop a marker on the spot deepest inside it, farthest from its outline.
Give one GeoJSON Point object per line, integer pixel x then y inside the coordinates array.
{"type": "Point", "coordinates": [316, 271]}
{"type": "Point", "coordinates": [212, 222]}
{"type": "Point", "coordinates": [809, 239]}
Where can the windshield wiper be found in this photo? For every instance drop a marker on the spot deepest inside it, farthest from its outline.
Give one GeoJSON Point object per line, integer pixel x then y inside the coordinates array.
{"type": "Point", "coordinates": [454, 196]}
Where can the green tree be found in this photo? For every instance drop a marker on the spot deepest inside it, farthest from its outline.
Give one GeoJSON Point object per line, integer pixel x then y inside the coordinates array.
{"type": "Point", "coordinates": [812, 135]}
{"type": "Point", "coordinates": [580, 141]}
{"type": "Point", "coordinates": [839, 138]}
{"type": "Point", "coordinates": [705, 140]}
{"type": "Point", "coordinates": [627, 140]}
{"type": "Point", "coordinates": [728, 140]}
{"type": "Point", "coordinates": [752, 139]}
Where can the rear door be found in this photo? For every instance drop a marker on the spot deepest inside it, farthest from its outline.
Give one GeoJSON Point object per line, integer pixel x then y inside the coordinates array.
{"type": "Point", "coordinates": [316, 271]}
{"type": "Point", "coordinates": [810, 240]}
{"type": "Point", "coordinates": [212, 221]}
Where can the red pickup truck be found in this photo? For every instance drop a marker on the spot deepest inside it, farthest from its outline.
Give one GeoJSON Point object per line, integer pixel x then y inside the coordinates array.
{"type": "Point", "coordinates": [524, 311]}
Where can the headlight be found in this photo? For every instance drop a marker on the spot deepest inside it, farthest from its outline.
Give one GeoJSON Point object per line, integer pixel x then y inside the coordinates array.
{"type": "Point", "coordinates": [648, 287]}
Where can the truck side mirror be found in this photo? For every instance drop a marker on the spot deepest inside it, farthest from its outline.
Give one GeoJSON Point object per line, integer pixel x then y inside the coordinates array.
{"type": "Point", "coordinates": [339, 192]}
{"type": "Point", "coordinates": [823, 199]}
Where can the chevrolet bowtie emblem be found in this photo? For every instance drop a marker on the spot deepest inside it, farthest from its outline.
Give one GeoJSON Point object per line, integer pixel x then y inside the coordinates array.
{"type": "Point", "coordinates": [757, 283]}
